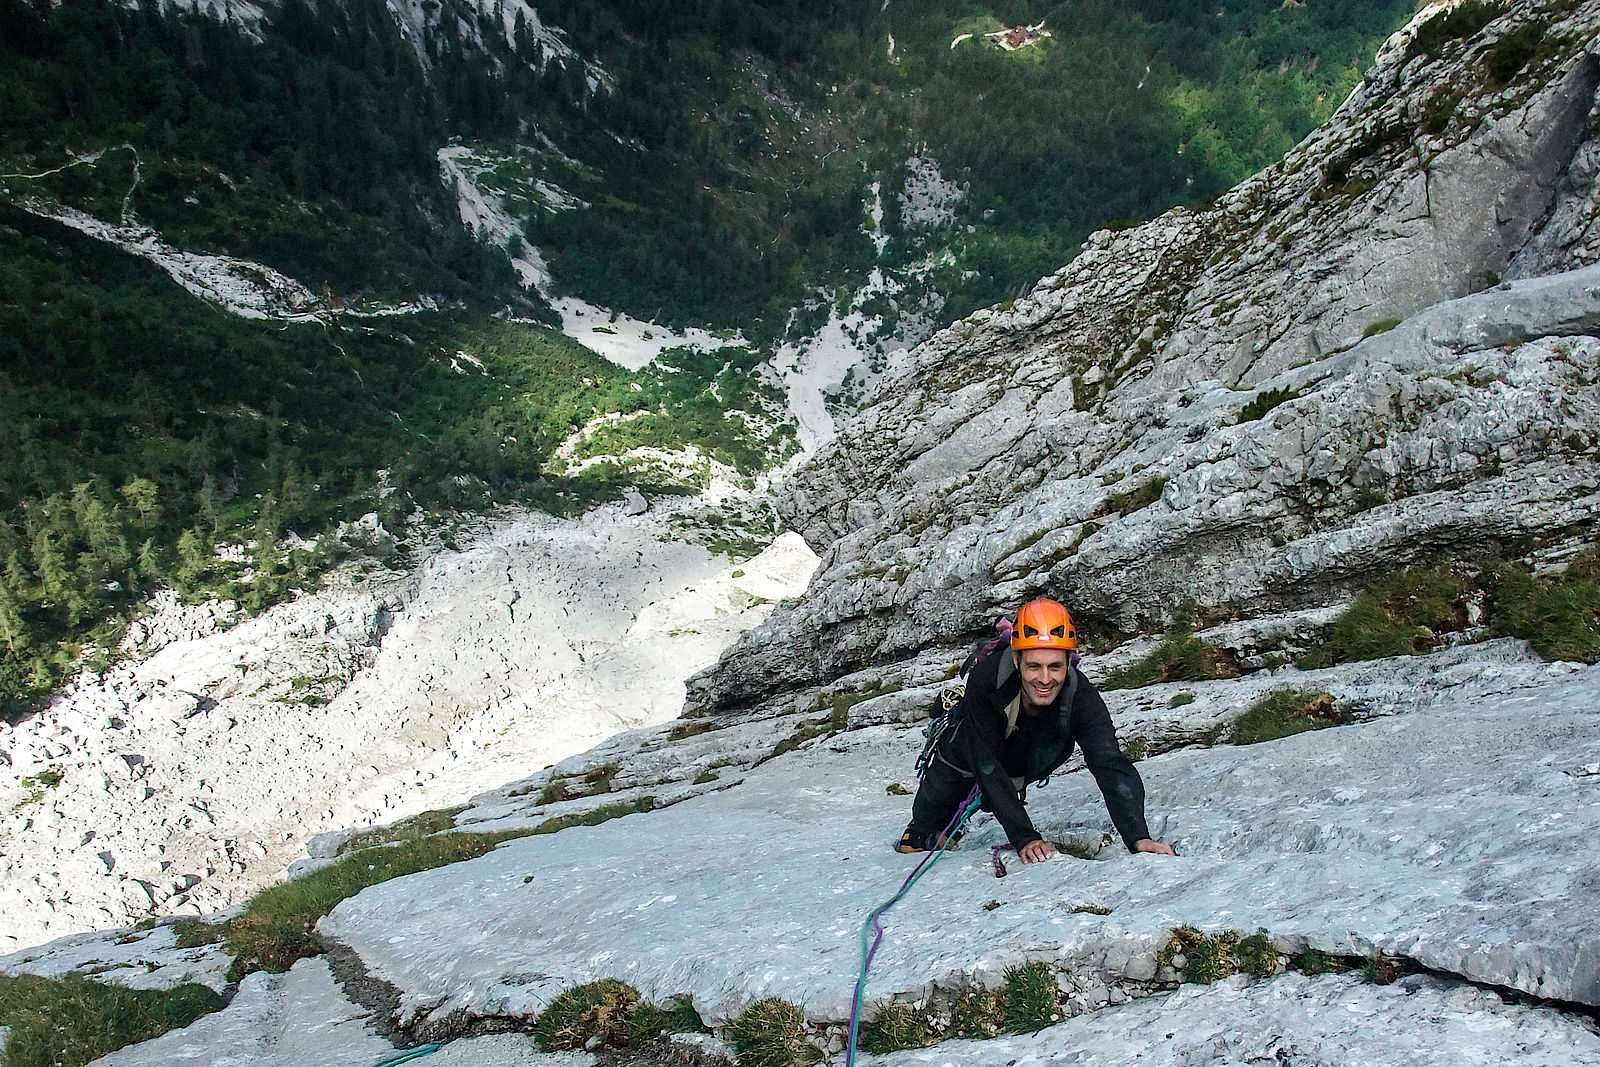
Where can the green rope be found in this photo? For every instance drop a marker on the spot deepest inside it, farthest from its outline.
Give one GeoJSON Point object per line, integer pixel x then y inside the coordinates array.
{"type": "Point", "coordinates": [406, 1056]}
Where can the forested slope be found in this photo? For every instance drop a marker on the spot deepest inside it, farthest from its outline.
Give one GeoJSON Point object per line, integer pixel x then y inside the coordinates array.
{"type": "Point", "coordinates": [736, 165]}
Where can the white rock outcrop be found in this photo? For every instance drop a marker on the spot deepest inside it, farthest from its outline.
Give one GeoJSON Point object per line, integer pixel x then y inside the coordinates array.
{"type": "Point", "coordinates": [188, 776]}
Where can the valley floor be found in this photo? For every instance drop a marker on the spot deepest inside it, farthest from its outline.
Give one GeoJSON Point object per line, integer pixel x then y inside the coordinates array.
{"type": "Point", "coordinates": [187, 777]}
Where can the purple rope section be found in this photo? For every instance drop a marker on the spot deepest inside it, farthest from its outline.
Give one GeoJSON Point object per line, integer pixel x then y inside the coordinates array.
{"type": "Point", "coordinates": [968, 806]}
{"type": "Point", "coordinates": [999, 864]}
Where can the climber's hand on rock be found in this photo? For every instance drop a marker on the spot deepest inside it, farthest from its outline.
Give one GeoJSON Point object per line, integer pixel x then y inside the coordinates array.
{"type": "Point", "coordinates": [1034, 851]}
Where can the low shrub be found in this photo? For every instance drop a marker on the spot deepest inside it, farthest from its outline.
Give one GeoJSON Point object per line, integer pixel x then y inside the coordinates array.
{"type": "Point", "coordinates": [65, 1022]}
{"type": "Point", "coordinates": [1265, 402]}
{"type": "Point", "coordinates": [771, 1033]}
{"type": "Point", "coordinates": [1507, 56]}
{"type": "Point", "coordinates": [1463, 20]}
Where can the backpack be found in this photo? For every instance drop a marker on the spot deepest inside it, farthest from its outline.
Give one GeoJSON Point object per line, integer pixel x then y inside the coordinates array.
{"type": "Point", "coordinates": [942, 716]}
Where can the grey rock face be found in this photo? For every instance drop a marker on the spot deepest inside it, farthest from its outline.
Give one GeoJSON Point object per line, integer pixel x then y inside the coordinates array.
{"type": "Point", "coordinates": [1260, 406]}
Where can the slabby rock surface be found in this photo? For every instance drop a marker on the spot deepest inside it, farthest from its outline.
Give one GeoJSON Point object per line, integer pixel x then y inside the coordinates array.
{"type": "Point", "coordinates": [1451, 830]}
{"type": "Point", "coordinates": [1261, 405]}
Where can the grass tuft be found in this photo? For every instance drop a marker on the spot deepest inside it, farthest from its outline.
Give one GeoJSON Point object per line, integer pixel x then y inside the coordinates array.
{"type": "Point", "coordinates": [1211, 957]}
{"type": "Point", "coordinates": [1401, 614]}
{"type": "Point", "coordinates": [1380, 326]}
{"type": "Point", "coordinates": [1181, 657]}
{"type": "Point", "coordinates": [65, 1022]}
{"type": "Point", "coordinates": [1141, 496]}
{"type": "Point", "coordinates": [771, 1033]}
{"type": "Point", "coordinates": [415, 828]}
{"type": "Point", "coordinates": [895, 1027]}
{"type": "Point", "coordinates": [685, 1019]}
{"type": "Point", "coordinates": [600, 1009]}
{"type": "Point", "coordinates": [1031, 997]}
{"type": "Point", "coordinates": [593, 782]}
{"type": "Point", "coordinates": [1314, 961]}
{"type": "Point", "coordinates": [1256, 955]}
{"type": "Point", "coordinates": [1559, 618]}
{"type": "Point", "coordinates": [1282, 713]}
{"type": "Point", "coordinates": [978, 1013]}
{"type": "Point", "coordinates": [277, 926]}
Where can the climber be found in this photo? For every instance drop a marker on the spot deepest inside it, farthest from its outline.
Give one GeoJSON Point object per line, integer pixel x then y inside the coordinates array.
{"type": "Point", "coordinates": [1023, 711]}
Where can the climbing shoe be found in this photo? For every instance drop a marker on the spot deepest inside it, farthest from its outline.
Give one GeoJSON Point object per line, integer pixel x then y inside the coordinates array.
{"type": "Point", "coordinates": [915, 841]}
{"type": "Point", "coordinates": [912, 841]}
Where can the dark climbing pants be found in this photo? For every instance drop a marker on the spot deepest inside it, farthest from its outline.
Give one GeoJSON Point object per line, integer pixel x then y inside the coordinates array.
{"type": "Point", "coordinates": [939, 798]}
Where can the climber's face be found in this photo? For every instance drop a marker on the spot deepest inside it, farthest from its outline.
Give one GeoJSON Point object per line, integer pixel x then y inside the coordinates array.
{"type": "Point", "coordinates": [1044, 672]}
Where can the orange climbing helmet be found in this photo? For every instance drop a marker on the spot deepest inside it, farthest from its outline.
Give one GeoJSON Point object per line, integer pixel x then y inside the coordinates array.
{"type": "Point", "coordinates": [1043, 624]}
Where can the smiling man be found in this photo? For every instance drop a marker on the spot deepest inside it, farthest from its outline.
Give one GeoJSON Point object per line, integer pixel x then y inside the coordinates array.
{"type": "Point", "coordinates": [1023, 711]}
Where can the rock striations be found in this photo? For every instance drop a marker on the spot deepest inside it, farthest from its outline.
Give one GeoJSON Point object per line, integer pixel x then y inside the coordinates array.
{"type": "Point", "coordinates": [1379, 352]}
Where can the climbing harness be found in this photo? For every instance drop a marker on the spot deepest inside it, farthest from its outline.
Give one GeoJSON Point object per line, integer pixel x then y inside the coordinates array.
{"type": "Point", "coordinates": [959, 820]}
{"type": "Point", "coordinates": [406, 1056]}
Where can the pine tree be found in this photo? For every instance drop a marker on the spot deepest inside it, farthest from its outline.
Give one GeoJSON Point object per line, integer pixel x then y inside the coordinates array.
{"type": "Point", "coordinates": [194, 560]}
{"type": "Point", "coordinates": [13, 624]}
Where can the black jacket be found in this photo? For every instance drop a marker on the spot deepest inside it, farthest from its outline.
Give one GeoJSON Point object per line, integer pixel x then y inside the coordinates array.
{"type": "Point", "coordinates": [973, 747]}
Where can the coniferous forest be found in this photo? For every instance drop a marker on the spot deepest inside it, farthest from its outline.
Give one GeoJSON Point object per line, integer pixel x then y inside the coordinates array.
{"type": "Point", "coordinates": [724, 154]}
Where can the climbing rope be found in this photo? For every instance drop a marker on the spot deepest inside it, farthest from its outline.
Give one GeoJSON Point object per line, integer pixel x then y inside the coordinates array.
{"type": "Point", "coordinates": [406, 1056]}
{"type": "Point", "coordinates": [968, 806]}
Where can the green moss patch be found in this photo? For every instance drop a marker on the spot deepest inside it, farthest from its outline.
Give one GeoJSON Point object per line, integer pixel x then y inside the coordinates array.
{"type": "Point", "coordinates": [898, 1026]}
